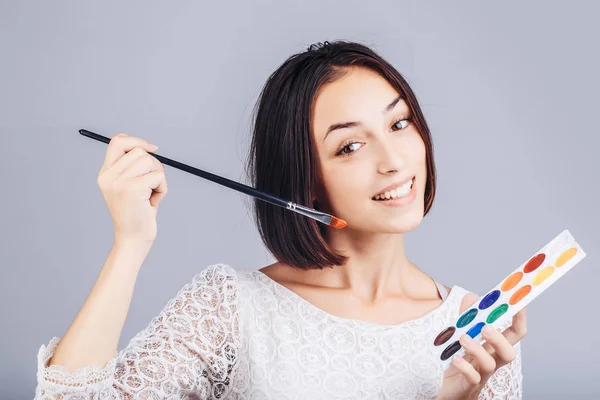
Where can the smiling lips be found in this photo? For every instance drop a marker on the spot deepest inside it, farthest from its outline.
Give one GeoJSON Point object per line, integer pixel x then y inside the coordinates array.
{"type": "Point", "coordinates": [399, 191]}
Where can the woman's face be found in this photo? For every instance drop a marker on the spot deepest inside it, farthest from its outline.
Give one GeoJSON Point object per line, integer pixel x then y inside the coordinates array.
{"type": "Point", "coordinates": [377, 150]}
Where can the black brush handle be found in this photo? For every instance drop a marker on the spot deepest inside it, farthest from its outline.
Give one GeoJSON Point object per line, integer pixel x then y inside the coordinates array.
{"type": "Point", "coordinates": [240, 187]}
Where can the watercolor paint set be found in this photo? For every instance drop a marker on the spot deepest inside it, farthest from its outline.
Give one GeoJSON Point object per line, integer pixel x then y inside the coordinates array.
{"type": "Point", "coordinates": [513, 293]}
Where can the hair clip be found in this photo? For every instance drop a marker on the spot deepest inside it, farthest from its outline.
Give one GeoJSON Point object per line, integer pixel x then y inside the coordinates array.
{"type": "Point", "coordinates": [318, 46]}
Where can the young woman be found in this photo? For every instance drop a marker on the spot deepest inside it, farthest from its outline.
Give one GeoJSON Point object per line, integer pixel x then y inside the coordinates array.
{"type": "Point", "coordinates": [342, 314]}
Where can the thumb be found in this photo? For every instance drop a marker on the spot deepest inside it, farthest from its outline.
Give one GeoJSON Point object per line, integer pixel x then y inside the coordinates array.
{"type": "Point", "coordinates": [467, 301]}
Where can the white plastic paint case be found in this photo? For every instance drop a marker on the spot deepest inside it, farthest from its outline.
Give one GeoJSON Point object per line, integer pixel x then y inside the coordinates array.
{"type": "Point", "coordinates": [563, 248]}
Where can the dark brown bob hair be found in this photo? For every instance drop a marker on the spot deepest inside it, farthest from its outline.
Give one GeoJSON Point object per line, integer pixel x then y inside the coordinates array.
{"type": "Point", "coordinates": [281, 160]}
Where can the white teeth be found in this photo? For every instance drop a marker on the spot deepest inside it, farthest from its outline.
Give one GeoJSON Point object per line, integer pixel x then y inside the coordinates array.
{"type": "Point", "coordinates": [395, 193]}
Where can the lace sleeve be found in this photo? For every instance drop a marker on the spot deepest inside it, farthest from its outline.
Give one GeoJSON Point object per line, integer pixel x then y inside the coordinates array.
{"type": "Point", "coordinates": [190, 347]}
{"type": "Point", "coordinates": [507, 382]}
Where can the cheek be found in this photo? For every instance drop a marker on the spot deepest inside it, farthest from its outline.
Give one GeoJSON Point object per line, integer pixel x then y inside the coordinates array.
{"type": "Point", "coordinates": [345, 183]}
{"type": "Point", "coordinates": [420, 160]}
{"type": "Point", "coordinates": [415, 147]}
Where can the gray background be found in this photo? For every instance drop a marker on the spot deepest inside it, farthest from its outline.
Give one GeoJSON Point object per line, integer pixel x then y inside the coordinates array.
{"type": "Point", "coordinates": [510, 90]}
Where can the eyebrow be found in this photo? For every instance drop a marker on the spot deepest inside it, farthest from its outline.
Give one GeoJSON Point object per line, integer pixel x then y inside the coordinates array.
{"type": "Point", "coordinates": [352, 124]}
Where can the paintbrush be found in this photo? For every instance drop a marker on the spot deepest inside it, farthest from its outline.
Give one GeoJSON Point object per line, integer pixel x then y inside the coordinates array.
{"type": "Point", "coordinates": [309, 212]}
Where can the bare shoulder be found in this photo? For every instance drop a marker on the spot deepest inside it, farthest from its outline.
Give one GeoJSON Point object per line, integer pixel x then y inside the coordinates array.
{"type": "Point", "coordinates": [304, 282]}
{"type": "Point", "coordinates": [282, 273]}
{"type": "Point", "coordinates": [269, 269]}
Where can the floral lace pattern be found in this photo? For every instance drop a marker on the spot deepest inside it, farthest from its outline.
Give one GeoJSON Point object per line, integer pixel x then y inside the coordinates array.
{"type": "Point", "coordinates": [240, 335]}
{"type": "Point", "coordinates": [187, 352]}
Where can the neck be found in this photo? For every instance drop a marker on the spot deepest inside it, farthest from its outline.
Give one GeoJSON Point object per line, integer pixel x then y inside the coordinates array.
{"type": "Point", "coordinates": [377, 266]}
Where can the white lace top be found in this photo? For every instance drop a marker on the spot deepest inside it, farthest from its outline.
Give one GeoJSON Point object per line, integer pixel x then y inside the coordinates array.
{"type": "Point", "coordinates": [231, 334]}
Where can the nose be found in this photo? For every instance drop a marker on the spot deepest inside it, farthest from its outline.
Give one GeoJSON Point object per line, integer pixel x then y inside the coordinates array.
{"type": "Point", "coordinates": [389, 160]}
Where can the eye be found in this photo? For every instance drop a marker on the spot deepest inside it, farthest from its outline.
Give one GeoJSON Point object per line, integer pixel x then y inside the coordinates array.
{"type": "Point", "coordinates": [404, 121]}
{"type": "Point", "coordinates": [347, 145]}
{"type": "Point", "coordinates": [401, 123]}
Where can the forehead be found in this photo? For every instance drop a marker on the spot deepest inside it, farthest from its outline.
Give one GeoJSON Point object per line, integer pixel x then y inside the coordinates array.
{"type": "Point", "coordinates": [359, 95]}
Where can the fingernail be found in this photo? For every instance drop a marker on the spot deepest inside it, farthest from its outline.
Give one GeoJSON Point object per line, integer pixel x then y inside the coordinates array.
{"type": "Point", "coordinates": [487, 330]}
{"type": "Point", "coordinates": [154, 147]}
{"type": "Point", "coordinates": [458, 358]}
{"type": "Point", "coordinates": [467, 339]}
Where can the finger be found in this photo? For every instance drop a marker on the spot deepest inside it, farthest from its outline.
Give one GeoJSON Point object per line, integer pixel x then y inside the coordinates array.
{"type": "Point", "coordinates": [503, 350]}
{"type": "Point", "coordinates": [488, 347]}
{"type": "Point", "coordinates": [518, 329]}
{"type": "Point", "coordinates": [482, 360]}
{"type": "Point", "coordinates": [159, 192]}
{"type": "Point", "coordinates": [467, 301]}
{"type": "Point", "coordinates": [125, 162]}
{"type": "Point", "coordinates": [514, 332]}
{"type": "Point", "coordinates": [137, 165]}
{"type": "Point", "coordinates": [469, 372]}
{"type": "Point", "coordinates": [121, 144]}
{"type": "Point", "coordinates": [154, 181]}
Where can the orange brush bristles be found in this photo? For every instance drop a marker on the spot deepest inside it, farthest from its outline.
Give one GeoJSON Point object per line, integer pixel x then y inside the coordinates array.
{"type": "Point", "coordinates": [337, 223]}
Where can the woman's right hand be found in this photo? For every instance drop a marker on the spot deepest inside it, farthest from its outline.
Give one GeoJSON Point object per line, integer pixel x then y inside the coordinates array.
{"type": "Point", "coordinates": [133, 183]}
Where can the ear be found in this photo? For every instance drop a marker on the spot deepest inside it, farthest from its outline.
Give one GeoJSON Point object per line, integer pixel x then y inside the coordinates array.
{"type": "Point", "coordinates": [467, 301]}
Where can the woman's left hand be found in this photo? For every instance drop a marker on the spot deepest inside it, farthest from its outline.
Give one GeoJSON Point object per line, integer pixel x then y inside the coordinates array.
{"type": "Point", "coordinates": [466, 376]}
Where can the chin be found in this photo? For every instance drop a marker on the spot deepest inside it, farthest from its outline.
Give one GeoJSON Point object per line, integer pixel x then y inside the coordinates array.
{"type": "Point", "coordinates": [397, 225]}
{"type": "Point", "coordinates": [405, 223]}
